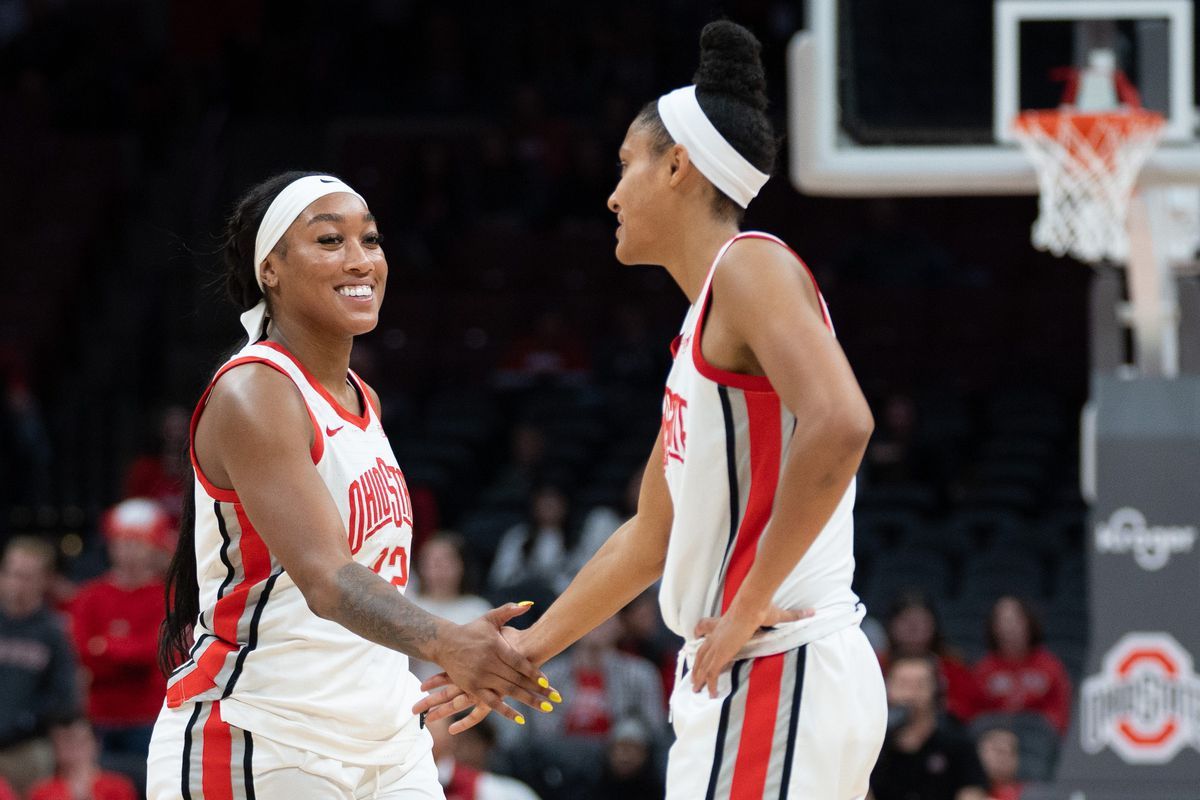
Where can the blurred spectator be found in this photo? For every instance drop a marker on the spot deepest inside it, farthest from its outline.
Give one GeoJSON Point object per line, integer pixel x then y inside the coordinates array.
{"type": "Point", "coordinates": [913, 630]}
{"type": "Point", "coordinates": [602, 521]}
{"type": "Point", "coordinates": [25, 450]}
{"type": "Point", "coordinates": [78, 774]}
{"type": "Point", "coordinates": [551, 353]}
{"type": "Point", "coordinates": [999, 752]}
{"type": "Point", "coordinates": [526, 456]}
{"type": "Point", "coordinates": [162, 471]}
{"type": "Point", "coordinates": [115, 621]}
{"type": "Point", "coordinates": [535, 550]}
{"type": "Point", "coordinates": [891, 456]}
{"type": "Point", "coordinates": [6, 791]}
{"type": "Point", "coordinates": [37, 667]}
{"type": "Point", "coordinates": [629, 771]}
{"type": "Point", "coordinates": [645, 634]}
{"type": "Point", "coordinates": [442, 589]}
{"type": "Point", "coordinates": [1019, 673]}
{"type": "Point", "coordinates": [462, 765]}
{"type": "Point", "coordinates": [602, 685]}
{"type": "Point", "coordinates": [922, 757]}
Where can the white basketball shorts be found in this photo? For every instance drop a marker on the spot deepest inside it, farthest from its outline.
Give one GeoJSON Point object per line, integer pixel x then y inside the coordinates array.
{"type": "Point", "coordinates": [195, 755]}
{"type": "Point", "coordinates": [806, 723]}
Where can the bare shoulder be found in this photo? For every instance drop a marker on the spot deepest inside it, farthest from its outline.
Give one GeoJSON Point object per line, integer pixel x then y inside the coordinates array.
{"type": "Point", "coordinates": [256, 397]}
{"type": "Point", "coordinates": [759, 272]}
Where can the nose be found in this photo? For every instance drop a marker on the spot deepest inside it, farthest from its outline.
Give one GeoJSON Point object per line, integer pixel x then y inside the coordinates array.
{"type": "Point", "coordinates": [613, 205]}
{"type": "Point", "coordinates": [357, 259]}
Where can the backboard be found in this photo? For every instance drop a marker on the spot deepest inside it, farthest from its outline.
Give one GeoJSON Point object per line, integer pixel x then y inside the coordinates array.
{"type": "Point", "coordinates": [909, 97]}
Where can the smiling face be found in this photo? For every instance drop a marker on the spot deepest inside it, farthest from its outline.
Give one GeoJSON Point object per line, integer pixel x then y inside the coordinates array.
{"type": "Point", "coordinates": [329, 271]}
{"type": "Point", "coordinates": [642, 200]}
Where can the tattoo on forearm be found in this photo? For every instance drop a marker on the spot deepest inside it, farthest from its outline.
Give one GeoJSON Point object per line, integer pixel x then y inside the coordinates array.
{"type": "Point", "coordinates": [376, 611]}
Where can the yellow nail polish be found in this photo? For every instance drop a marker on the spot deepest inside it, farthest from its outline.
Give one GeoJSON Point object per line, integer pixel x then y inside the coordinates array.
{"type": "Point", "coordinates": [525, 603]}
{"type": "Point", "coordinates": [542, 682]}
{"type": "Point", "coordinates": [519, 720]}
{"type": "Point", "coordinates": [556, 697]}
{"type": "Point", "coordinates": [546, 707]}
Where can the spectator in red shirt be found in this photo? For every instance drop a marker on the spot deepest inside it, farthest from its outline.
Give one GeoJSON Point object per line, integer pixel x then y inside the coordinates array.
{"type": "Point", "coordinates": [79, 776]}
{"type": "Point", "coordinates": [913, 630]}
{"type": "Point", "coordinates": [999, 752]}
{"type": "Point", "coordinates": [162, 471]}
{"type": "Point", "coordinates": [1019, 673]}
{"type": "Point", "coordinates": [115, 620]}
{"type": "Point", "coordinates": [6, 791]}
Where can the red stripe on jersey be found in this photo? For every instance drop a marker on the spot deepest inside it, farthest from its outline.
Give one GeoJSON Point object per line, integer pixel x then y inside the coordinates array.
{"type": "Point", "coordinates": [228, 612]}
{"type": "Point", "coordinates": [766, 447]}
{"type": "Point", "coordinates": [360, 421]}
{"type": "Point", "coordinates": [758, 728]}
{"type": "Point", "coordinates": [216, 767]}
{"type": "Point", "coordinates": [229, 495]}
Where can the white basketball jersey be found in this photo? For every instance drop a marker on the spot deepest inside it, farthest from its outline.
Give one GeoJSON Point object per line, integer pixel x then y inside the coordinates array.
{"type": "Point", "coordinates": [278, 669]}
{"type": "Point", "coordinates": [725, 439]}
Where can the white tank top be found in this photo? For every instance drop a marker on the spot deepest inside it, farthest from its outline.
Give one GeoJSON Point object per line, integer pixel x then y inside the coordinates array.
{"type": "Point", "coordinates": [278, 669]}
{"type": "Point", "coordinates": [725, 439]}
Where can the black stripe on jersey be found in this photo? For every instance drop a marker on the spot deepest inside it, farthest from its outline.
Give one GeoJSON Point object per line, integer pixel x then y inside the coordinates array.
{"type": "Point", "coordinates": [793, 722]}
{"type": "Point", "coordinates": [252, 639]}
{"type": "Point", "coordinates": [224, 552]}
{"type": "Point", "coordinates": [722, 731]}
{"type": "Point", "coordinates": [735, 500]}
{"type": "Point", "coordinates": [247, 765]}
{"type": "Point", "coordinates": [185, 787]}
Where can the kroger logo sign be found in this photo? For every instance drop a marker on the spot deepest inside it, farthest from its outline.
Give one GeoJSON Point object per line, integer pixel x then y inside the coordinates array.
{"type": "Point", "coordinates": [1152, 546]}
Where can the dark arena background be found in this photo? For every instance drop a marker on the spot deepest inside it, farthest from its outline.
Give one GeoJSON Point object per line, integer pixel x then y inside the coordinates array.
{"type": "Point", "coordinates": [521, 366]}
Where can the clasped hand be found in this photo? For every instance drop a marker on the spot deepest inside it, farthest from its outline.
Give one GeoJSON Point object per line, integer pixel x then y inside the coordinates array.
{"type": "Point", "coordinates": [723, 637]}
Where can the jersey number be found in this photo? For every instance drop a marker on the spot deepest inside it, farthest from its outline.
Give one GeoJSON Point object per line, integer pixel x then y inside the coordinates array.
{"type": "Point", "coordinates": [394, 557]}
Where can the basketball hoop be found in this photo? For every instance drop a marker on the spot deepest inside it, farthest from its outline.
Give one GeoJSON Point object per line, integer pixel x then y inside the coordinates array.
{"type": "Point", "coordinates": [1087, 163]}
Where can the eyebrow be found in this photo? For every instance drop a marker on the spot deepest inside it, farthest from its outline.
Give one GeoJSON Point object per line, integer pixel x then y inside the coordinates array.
{"type": "Point", "coordinates": [367, 217]}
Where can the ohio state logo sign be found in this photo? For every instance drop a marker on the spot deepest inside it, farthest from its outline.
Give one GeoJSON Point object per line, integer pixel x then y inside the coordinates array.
{"type": "Point", "coordinates": [1145, 703]}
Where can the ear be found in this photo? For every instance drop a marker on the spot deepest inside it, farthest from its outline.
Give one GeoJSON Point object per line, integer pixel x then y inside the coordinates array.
{"type": "Point", "coordinates": [680, 164]}
{"type": "Point", "coordinates": [269, 276]}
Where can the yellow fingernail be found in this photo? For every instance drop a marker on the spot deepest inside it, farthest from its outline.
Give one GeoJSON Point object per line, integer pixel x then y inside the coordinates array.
{"type": "Point", "coordinates": [556, 697]}
{"type": "Point", "coordinates": [542, 682]}
{"type": "Point", "coordinates": [546, 707]}
{"type": "Point", "coordinates": [525, 603]}
{"type": "Point", "coordinates": [519, 720]}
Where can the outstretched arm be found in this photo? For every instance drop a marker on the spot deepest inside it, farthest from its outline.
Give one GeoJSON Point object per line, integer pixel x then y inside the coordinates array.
{"type": "Point", "coordinates": [623, 568]}
{"type": "Point", "coordinates": [266, 457]}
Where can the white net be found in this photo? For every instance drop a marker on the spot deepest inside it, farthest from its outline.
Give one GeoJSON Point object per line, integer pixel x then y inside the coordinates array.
{"type": "Point", "coordinates": [1087, 165]}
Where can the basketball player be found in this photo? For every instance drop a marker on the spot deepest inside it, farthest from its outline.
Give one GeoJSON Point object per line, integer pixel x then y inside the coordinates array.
{"type": "Point", "coordinates": [294, 557]}
{"type": "Point", "coordinates": [746, 508]}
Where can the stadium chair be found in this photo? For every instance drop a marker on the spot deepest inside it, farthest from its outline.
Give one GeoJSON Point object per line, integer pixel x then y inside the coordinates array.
{"type": "Point", "coordinates": [971, 529]}
{"type": "Point", "coordinates": [886, 527]}
{"type": "Point", "coordinates": [483, 529]}
{"type": "Point", "coordinates": [1038, 740]}
{"type": "Point", "coordinates": [1012, 568]}
{"type": "Point", "coordinates": [895, 572]}
{"type": "Point", "coordinates": [963, 629]}
{"type": "Point", "coordinates": [1010, 497]}
{"type": "Point", "coordinates": [916, 498]}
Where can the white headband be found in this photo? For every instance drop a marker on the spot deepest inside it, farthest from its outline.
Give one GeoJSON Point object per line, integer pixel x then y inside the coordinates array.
{"type": "Point", "coordinates": [716, 158]}
{"type": "Point", "coordinates": [282, 212]}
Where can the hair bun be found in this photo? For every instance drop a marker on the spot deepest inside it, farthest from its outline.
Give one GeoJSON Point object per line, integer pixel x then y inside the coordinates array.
{"type": "Point", "coordinates": [730, 64]}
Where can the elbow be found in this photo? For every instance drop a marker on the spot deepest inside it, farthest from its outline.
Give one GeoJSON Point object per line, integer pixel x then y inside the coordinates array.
{"type": "Point", "coordinates": [321, 596]}
{"type": "Point", "coordinates": [850, 430]}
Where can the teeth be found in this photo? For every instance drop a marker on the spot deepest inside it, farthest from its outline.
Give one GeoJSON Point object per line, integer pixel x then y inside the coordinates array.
{"type": "Point", "coordinates": [355, 291]}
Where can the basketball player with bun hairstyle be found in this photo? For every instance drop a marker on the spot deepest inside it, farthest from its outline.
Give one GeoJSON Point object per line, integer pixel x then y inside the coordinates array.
{"type": "Point", "coordinates": [287, 625]}
{"type": "Point", "coordinates": [746, 507]}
